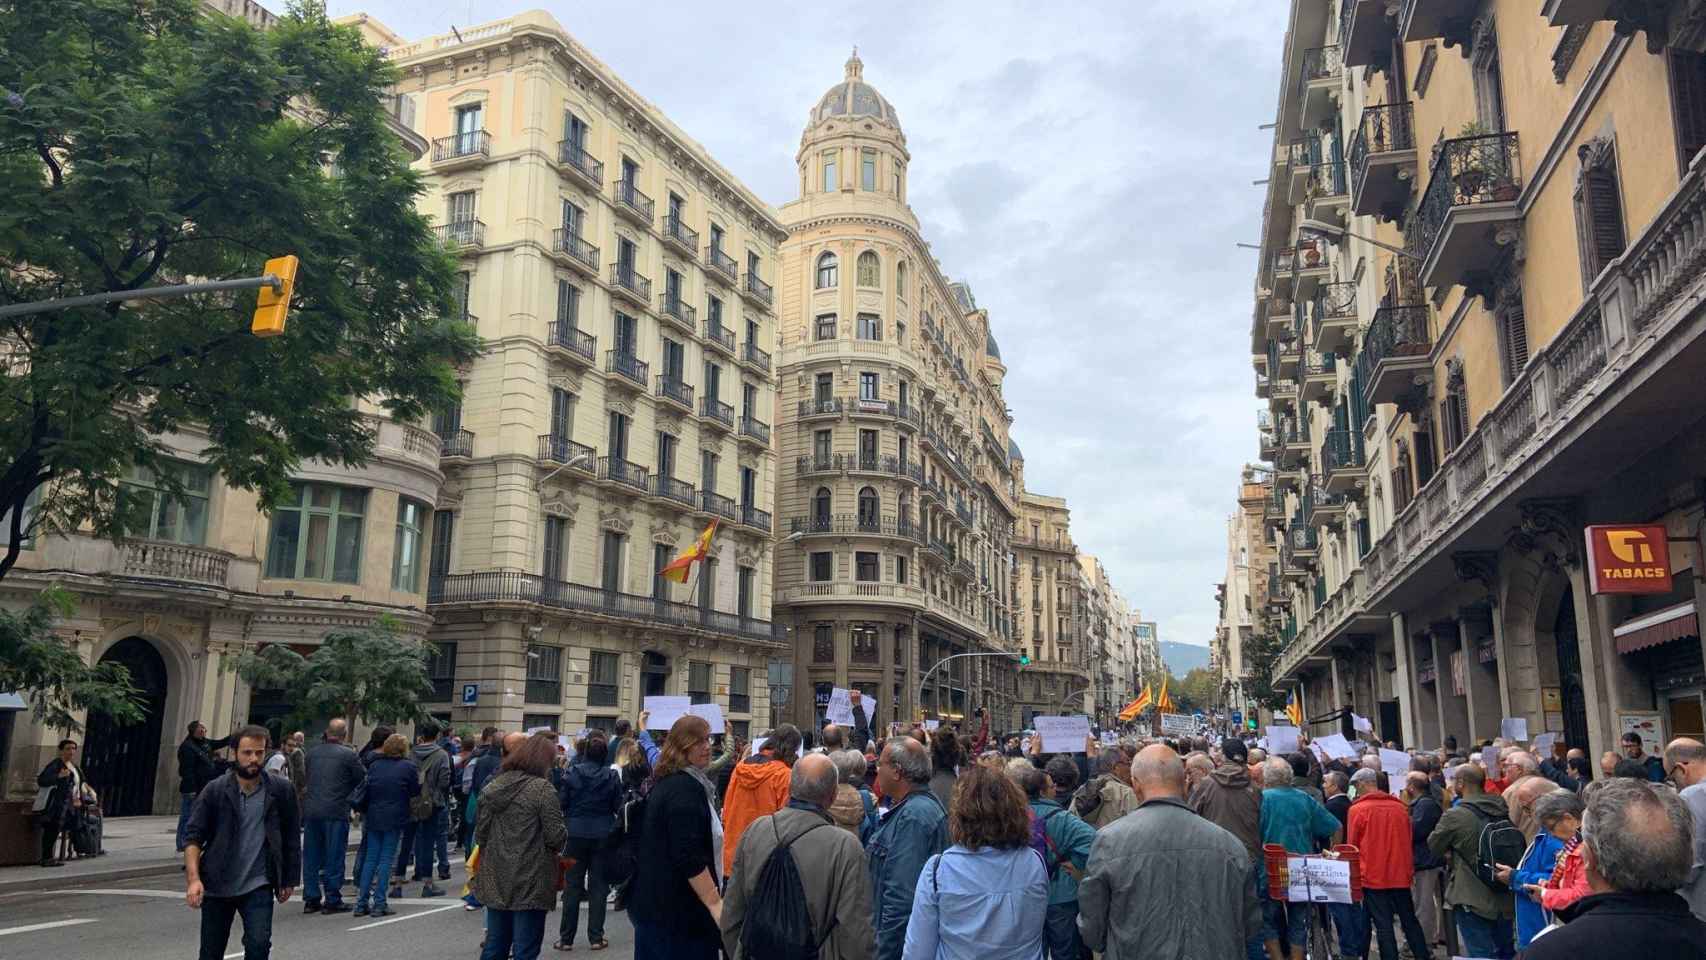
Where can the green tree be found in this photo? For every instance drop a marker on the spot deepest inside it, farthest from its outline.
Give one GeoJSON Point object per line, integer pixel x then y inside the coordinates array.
{"type": "Point", "coordinates": [51, 676]}
{"type": "Point", "coordinates": [142, 142]}
{"type": "Point", "coordinates": [376, 675]}
{"type": "Point", "coordinates": [1261, 651]}
{"type": "Point", "coordinates": [1198, 690]}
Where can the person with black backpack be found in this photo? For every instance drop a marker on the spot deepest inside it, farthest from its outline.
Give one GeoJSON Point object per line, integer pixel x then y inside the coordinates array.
{"type": "Point", "coordinates": [798, 888]}
{"type": "Point", "coordinates": [1475, 836]}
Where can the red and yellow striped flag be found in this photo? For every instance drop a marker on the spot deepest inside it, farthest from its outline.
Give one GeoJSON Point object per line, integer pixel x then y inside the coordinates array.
{"type": "Point", "coordinates": [678, 568]}
{"type": "Point", "coordinates": [1137, 706]}
{"type": "Point", "coordinates": [1164, 703]}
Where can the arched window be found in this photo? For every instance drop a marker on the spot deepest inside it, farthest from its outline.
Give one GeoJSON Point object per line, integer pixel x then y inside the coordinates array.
{"type": "Point", "coordinates": [900, 280]}
{"type": "Point", "coordinates": [820, 508]}
{"type": "Point", "coordinates": [868, 504]}
{"type": "Point", "coordinates": [826, 271]}
{"type": "Point", "coordinates": [870, 271]}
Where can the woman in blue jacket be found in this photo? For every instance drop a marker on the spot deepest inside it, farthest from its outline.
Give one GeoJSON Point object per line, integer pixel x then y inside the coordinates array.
{"type": "Point", "coordinates": [392, 780]}
{"type": "Point", "coordinates": [590, 796]}
{"type": "Point", "coordinates": [1537, 863]}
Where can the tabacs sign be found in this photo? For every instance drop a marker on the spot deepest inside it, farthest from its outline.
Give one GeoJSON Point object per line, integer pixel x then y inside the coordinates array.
{"type": "Point", "coordinates": [1629, 559]}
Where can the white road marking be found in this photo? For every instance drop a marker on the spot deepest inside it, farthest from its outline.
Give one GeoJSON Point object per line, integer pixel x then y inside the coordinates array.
{"type": "Point", "coordinates": [234, 956]}
{"type": "Point", "coordinates": [45, 926]}
{"type": "Point", "coordinates": [117, 892]}
{"type": "Point", "coordinates": [407, 916]}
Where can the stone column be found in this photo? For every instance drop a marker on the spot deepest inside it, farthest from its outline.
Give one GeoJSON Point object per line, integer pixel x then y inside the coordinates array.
{"type": "Point", "coordinates": [1404, 683]}
{"type": "Point", "coordinates": [1481, 685]}
{"type": "Point", "coordinates": [1590, 629]}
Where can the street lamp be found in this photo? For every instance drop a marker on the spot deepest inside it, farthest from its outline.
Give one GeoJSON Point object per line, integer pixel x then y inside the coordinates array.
{"type": "Point", "coordinates": [1022, 658]}
{"type": "Point", "coordinates": [1335, 235]}
{"type": "Point", "coordinates": [579, 459]}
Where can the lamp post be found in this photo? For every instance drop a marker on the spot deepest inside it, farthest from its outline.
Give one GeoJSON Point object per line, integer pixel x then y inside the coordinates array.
{"type": "Point", "coordinates": [1332, 234]}
{"type": "Point", "coordinates": [1022, 658]}
{"type": "Point", "coordinates": [579, 459]}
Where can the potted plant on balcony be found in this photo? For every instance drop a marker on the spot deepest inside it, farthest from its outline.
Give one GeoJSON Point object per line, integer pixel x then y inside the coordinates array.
{"type": "Point", "coordinates": [1469, 169]}
{"type": "Point", "coordinates": [1311, 253]}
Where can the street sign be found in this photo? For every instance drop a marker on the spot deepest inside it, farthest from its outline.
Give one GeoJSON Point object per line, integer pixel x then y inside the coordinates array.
{"type": "Point", "coordinates": [470, 694]}
{"type": "Point", "coordinates": [1237, 718]}
{"type": "Point", "coordinates": [1633, 558]}
{"type": "Point", "coordinates": [779, 695]}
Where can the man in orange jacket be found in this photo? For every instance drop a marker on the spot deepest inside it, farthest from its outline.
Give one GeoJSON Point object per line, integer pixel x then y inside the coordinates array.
{"type": "Point", "coordinates": [758, 787]}
{"type": "Point", "coordinates": [1379, 826]}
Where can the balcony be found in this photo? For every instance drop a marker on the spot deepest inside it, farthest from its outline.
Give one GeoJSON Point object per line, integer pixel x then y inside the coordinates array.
{"type": "Point", "coordinates": [1319, 375]}
{"type": "Point", "coordinates": [631, 371]}
{"type": "Point", "coordinates": [577, 346]}
{"type": "Point", "coordinates": [569, 249]}
{"type": "Point", "coordinates": [814, 466]}
{"type": "Point", "coordinates": [579, 164]}
{"type": "Point", "coordinates": [158, 560]}
{"type": "Point", "coordinates": [908, 417]}
{"type": "Point", "coordinates": [1322, 508]}
{"type": "Point", "coordinates": [624, 475]}
{"type": "Point", "coordinates": [822, 408]}
{"type": "Point", "coordinates": [1383, 161]}
{"type": "Point", "coordinates": [484, 589]}
{"type": "Point", "coordinates": [814, 526]}
{"type": "Point", "coordinates": [679, 312]}
{"type": "Point", "coordinates": [679, 235]}
{"type": "Point", "coordinates": [1395, 353]}
{"type": "Point", "coordinates": [1273, 509]}
{"type": "Point", "coordinates": [756, 519]}
{"type": "Point", "coordinates": [717, 414]}
{"type": "Point", "coordinates": [675, 391]}
{"type": "Point", "coordinates": [753, 431]}
{"type": "Point", "coordinates": [1450, 21]}
{"type": "Point", "coordinates": [1300, 544]}
{"type": "Point", "coordinates": [717, 506]}
{"type": "Point", "coordinates": [1335, 316]}
{"type": "Point", "coordinates": [1469, 216]}
{"type": "Point", "coordinates": [1578, 13]}
{"type": "Point", "coordinates": [1284, 357]}
{"type": "Point", "coordinates": [755, 358]}
{"type": "Point", "coordinates": [1281, 265]}
{"type": "Point", "coordinates": [457, 445]}
{"type": "Point", "coordinates": [627, 283]}
{"type": "Point", "coordinates": [675, 492]}
{"type": "Point", "coordinates": [633, 204]}
{"type": "Point", "coordinates": [1311, 269]}
{"type": "Point", "coordinates": [1318, 85]}
{"type": "Point", "coordinates": [1366, 33]}
{"type": "Point", "coordinates": [720, 338]}
{"type": "Point", "coordinates": [1344, 467]}
{"type": "Point", "coordinates": [461, 235]}
{"type": "Point", "coordinates": [562, 451]}
{"type": "Point", "coordinates": [870, 407]}
{"type": "Point", "coordinates": [720, 267]}
{"type": "Point", "coordinates": [1293, 436]}
{"type": "Point", "coordinates": [1326, 191]}
{"type": "Point", "coordinates": [1267, 445]}
{"type": "Point", "coordinates": [757, 292]}
{"type": "Point", "coordinates": [1279, 314]}
{"type": "Point", "coordinates": [461, 150]}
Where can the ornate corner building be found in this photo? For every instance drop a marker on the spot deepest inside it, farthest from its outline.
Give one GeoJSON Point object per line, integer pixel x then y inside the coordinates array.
{"type": "Point", "coordinates": [1478, 329]}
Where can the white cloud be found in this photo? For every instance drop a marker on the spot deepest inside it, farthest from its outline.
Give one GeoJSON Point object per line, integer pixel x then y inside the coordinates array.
{"type": "Point", "coordinates": [1085, 167]}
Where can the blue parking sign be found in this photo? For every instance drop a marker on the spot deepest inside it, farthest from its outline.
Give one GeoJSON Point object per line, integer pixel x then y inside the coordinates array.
{"type": "Point", "coordinates": [470, 694]}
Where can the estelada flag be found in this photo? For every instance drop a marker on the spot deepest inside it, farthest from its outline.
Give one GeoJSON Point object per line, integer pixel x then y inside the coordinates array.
{"type": "Point", "coordinates": [678, 568]}
{"type": "Point", "coordinates": [1137, 706]}
{"type": "Point", "coordinates": [1293, 712]}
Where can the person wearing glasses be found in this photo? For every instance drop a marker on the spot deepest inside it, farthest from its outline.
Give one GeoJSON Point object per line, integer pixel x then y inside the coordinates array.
{"type": "Point", "coordinates": [1685, 764]}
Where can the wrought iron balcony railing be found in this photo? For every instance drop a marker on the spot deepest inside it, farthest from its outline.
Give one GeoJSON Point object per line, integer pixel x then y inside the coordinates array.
{"type": "Point", "coordinates": [679, 491]}
{"type": "Point", "coordinates": [720, 265]}
{"type": "Point", "coordinates": [718, 505]}
{"type": "Point", "coordinates": [828, 406]}
{"type": "Point", "coordinates": [758, 289]}
{"type": "Point", "coordinates": [1400, 331]}
{"type": "Point", "coordinates": [504, 586]}
{"type": "Point", "coordinates": [461, 233]}
{"type": "Point", "coordinates": [576, 158]}
{"type": "Point", "coordinates": [629, 198]}
{"type": "Point", "coordinates": [459, 443]}
{"type": "Point", "coordinates": [720, 335]}
{"type": "Point", "coordinates": [1468, 171]}
{"type": "Point", "coordinates": [716, 410]}
{"type": "Point", "coordinates": [565, 335]}
{"type": "Point", "coordinates": [624, 472]}
{"type": "Point", "coordinates": [753, 355]}
{"type": "Point", "coordinates": [673, 388]}
{"type": "Point", "coordinates": [626, 365]}
{"type": "Point", "coordinates": [1341, 449]}
{"type": "Point", "coordinates": [755, 429]}
{"type": "Point", "coordinates": [677, 231]}
{"type": "Point", "coordinates": [629, 279]}
{"type": "Point", "coordinates": [578, 456]}
{"type": "Point", "coordinates": [1320, 63]}
{"type": "Point", "coordinates": [751, 516]}
{"type": "Point", "coordinates": [571, 245]}
{"type": "Point", "coordinates": [474, 143]}
{"type": "Point", "coordinates": [677, 309]}
{"type": "Point", "coordinates": [1386, 128]}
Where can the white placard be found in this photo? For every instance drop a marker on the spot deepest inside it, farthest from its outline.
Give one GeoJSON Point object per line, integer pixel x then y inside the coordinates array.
{"type": "Point", "coordinates": [1110, 738]}
{"type": "Point", "coordinates": [1336, 746]}
{"type": "Point", "coordinates": [757, 745]}
{"type": "Point", "coordinates": [1361, 723]}
{"type": "Point", "coordinates": [1178, 724]}
{"type": "Point", "coordinates": [840, 708]}
{"type": "Point", "coordinates": [1514, 728]}
{"type": "Point", "coordinates": [712, 714]}
{"type": "Point", "coordinates": [1282, 739]}
{"type": "Point", "coordinates": [1359, 746]}
{"type": "Point", "coordinates": [533, 730]}
{"type": "Point", "coordinates": [1066, 734]}
{"type": "Point", "coordinates": [1318, 880]}
{"type": "Point", "coordinates": [564, 744]}
{"type": "Point", "coordinates": [1261, 743]}
{"type": "Point", "coordinates": [1490, 761]}
{"type": "Point", "coordinates": [1320, 754]}
{"type": "Point", "coordinates": [1396, 763]}
{"type": "Point", "coordinates": [665, 711]}
{"type": "Point", "coordinates": [1543, 745]}
{"type": "Point", "coordinates": [931, 725]}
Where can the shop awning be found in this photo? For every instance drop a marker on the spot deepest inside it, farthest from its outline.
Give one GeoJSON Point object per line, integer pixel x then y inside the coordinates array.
{"type": "Point", "coordinates": [1660, 626]}
{"type": "Point", "coordinates": [11, 701]}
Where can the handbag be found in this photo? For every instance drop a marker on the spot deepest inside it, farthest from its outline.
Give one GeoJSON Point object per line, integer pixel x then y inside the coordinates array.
{"type": "Point", "coordinates": [358, 797]}
{"type": "Point", "coordinates": [43, 795]}
{"type": "Point", "coordinates": [564, 865]}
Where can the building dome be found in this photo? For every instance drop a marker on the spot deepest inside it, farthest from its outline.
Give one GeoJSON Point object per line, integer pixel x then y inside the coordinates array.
{"type": "Point", "coordinates": [853, 97]}
{"type": "Point", "coordinates": [1013, 450]}
{"type": "Point", "coordinates": [991, 348]}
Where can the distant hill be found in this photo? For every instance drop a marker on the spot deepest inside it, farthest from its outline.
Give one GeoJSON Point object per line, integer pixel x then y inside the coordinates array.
{"type": "Point", "coordinates": [1182, 658]}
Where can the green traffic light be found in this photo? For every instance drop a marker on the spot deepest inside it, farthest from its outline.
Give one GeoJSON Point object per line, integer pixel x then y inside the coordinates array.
{"type": "Point", "coordinates": [1024, 661]}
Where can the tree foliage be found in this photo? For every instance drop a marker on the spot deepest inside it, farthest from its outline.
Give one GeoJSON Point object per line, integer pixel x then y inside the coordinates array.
{"type": "Point", "coordinates": [376, 675]}
{"type": "Point", "coordinates": [1261, 651]}
{"type": "Point", "coordinates": [1199, 690]}
{"type": "Point", "coordinates": [51, 676]}
{"type": "Point", "coordinates": [143, 142]}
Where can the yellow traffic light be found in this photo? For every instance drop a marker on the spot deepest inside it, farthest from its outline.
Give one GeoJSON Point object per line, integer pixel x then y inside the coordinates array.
{"type": "Point", "coordinates": [271, 307]}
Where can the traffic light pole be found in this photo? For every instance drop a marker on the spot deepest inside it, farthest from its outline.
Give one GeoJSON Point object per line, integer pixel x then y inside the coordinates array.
{"type": "Point", "coordinates": [959, 656]}
{"type": "Point", "coordinates": [145, 293]}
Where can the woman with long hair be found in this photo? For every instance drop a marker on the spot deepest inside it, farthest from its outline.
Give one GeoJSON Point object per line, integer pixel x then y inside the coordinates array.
{"type": "Point", "coordinates": [945, 756]}
{"type": "Point", "coordinates": [985, 897]}
{"type": "Point", "coordinates": [392, 779]}
{"type": "Point", "coordinates": [519, 832]}
{"type": "Point", "coordinates": [674, 901]}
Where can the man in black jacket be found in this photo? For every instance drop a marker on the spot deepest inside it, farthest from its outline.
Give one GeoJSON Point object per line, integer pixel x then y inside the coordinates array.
{"type": "Point", "coordinates": [247, 825]}
{"type": "Point", "coordinates": [333, 773]}
{"type": "Point", "coordinates": [195, 770]}
{"type": "Point", "coordinates": [1427, 884]}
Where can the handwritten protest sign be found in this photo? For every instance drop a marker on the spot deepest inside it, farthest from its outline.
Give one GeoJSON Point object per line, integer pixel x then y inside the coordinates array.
{"type": "Point", "coordinates": [1317, 880]}
{"type": "Point", "coordinates": [1063, 734]}
{"type": "Point", "coordinates": [1178, 724]}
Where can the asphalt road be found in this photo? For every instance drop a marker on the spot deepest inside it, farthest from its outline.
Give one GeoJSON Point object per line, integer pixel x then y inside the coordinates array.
{"type": "Point", "coordinates": [147, 919]}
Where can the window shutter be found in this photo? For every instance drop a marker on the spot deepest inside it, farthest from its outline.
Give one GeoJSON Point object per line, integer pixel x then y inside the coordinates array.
{"type": "Point", "coordinates": [1606, 209]}
{"type": "Point", "coordinates": [1688, 103]}
{"type": "Point", "coordinates": [1513, 339]}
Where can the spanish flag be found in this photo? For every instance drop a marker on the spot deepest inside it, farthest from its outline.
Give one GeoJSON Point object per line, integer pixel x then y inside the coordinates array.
{"type": "Point", "coordinates": [1137, 706]}
{"type": "Point", "coordinates": [1163, 702]}
{"type": "Point", "coordinates": [678, 568]}
{"type": "Point", "coordinates": [1293, 711]}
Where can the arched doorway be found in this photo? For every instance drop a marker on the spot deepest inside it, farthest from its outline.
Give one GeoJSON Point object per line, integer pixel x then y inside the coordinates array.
{"type": "Point", "coordinates": [1570, 672]}
{"type": "Point", "coordinates": [121, 761]}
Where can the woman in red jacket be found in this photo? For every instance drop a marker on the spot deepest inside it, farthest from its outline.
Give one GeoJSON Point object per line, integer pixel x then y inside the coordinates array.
{"type": "Point", "coordinates": [1569, 881]}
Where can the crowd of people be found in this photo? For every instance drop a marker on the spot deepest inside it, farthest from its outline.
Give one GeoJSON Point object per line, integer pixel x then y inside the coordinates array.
{"type": "Point", "coordinates": [941, 844]}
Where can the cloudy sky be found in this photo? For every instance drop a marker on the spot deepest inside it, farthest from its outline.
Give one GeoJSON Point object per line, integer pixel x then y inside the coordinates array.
{"type": "Point", "coordinates": [1087, 171]}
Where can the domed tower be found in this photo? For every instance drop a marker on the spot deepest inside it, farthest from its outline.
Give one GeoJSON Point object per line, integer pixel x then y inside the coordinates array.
{"type": "Point", "coordinates": [853, 142]}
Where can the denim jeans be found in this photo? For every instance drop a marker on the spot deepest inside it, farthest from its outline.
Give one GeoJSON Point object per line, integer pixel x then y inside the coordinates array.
{"type": "Point", "coordinates": [375, 874]}
{"type": "Point", "coordinates": [429, 837]}
{"type": "Point", "coordinates": [584, 882]}
{"type": "Point", "coordinates": [1484, 938]}
{"type": "Point", "coordinates": [1060, 931]}
{"type": "Point", "coordinates": [324, 843]}
{"type": "Point", "coordinates": [522, 931]}
{"type": "Point", "coordinates": [1351, 926]}
{"type": "Point", "coordinates": [1285, 923]}
{"type": "Point", "coordinates": [184, 809]}
{"type": "Point", "coordinates": [217, 914]}
{"type": "Point", "coordinates": [651, 943]}
{"type": "Point", "coordinates": [405, 849]}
